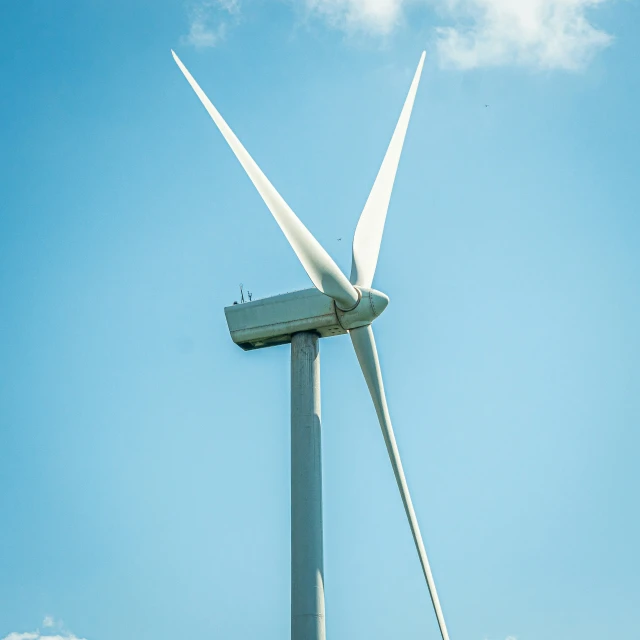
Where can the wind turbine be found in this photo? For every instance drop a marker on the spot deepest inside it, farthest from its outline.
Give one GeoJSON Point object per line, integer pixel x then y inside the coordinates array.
{"type": "Point", "coordinates": [336, 305]}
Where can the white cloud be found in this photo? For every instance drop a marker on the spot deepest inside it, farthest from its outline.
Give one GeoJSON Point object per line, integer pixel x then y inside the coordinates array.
{"type": "Point", "coordinates": [548, 34]}
{"type": "Point", "coordinates": [552, 34]}
{"type": "Point", "coordinates": [379, 17]}
{"type": "Point", "coordinates": [48, 622]}
{"type": "Point", "coordinates": [37, 636]}
{"type": "Point", "coordinates": [207, 23]}
{"type": "Point", "coordinates": [202, 35]}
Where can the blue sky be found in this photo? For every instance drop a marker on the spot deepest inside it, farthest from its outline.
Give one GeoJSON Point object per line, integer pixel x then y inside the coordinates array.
{"type": "Point", "coordinates": [144, 458]}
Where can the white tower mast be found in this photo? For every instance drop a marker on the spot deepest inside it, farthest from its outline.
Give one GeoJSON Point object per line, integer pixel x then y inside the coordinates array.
{"type": "Point", "coordinates": [307, 571]}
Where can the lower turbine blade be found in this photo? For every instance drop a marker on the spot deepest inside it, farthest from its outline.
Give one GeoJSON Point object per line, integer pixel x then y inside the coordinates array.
{"type": "Point", "coordinates": [365, 346]}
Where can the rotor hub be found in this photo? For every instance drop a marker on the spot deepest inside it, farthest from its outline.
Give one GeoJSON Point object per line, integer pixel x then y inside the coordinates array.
{"type": "Point", "coordinates": [370, 305]}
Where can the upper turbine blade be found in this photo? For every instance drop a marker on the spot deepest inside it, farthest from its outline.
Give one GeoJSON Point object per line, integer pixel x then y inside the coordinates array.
{"type": "Point", "coordinates": [365, 346]}
{"type": "Point", "coordinates": [323, 271]}
{"type": "Point", "coordinates": [368, 235]}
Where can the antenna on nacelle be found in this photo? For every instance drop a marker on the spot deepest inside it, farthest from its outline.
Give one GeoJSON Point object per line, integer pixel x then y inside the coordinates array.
{"type": "Point", "coordinates": [241, 293]}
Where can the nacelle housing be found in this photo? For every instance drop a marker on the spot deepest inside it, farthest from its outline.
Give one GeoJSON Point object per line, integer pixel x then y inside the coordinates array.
{"type": "Point", "coordinates": [272, 321]}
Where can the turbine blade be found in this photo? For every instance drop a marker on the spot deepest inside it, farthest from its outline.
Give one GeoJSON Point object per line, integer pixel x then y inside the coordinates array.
{"type": "Point", "coordinates": [320, 267]}
{"type": "Point", "coordinates": [368, 236]}
{"type": "Point", "coordinates": [365, 346]}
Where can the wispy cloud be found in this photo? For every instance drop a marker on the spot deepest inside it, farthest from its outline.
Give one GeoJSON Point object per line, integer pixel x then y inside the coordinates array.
{"type": "Point", "coordinates": [546, 34]}
{"type": "Point", "coordinates": [378, 17]}
{"type": "Point", "coordinates": [551, 34]}
{"type": "Point", "coordinates": [208, 22]}
{"type": "Point", "coordinates": [48, 622]}
{"type": "Point", "coordinates": [37, 636]}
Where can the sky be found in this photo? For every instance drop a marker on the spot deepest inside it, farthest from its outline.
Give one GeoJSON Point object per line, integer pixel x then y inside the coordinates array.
{"type": "Point", "coordinates": [144, 458]}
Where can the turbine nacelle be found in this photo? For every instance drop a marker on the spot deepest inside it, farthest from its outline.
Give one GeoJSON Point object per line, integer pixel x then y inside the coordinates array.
{"type": "Point", "coordinates": [273, 321]}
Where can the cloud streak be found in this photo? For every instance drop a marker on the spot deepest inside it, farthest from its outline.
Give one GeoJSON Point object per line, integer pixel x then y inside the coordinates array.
{"type": "Point", "coordinates": [37, 636]}
{"type": "Point", "coordinates": [378, 17]}
{"type": "Point", "coordinates": [48, 622]}
{"type": "Point", "coordinates": [543, 34]}
{"type": "Point", "coordinates": [208, 22]}
{"type": "Point", "coordinates": [548, 34]}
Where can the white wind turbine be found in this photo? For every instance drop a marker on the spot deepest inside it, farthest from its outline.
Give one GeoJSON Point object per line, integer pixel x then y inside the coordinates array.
{"type": "Point", "coordinates": [335, 306]}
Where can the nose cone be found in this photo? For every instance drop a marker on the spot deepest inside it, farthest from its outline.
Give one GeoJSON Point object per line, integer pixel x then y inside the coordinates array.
{"type": "Point", "coordinates": [372, 304]}
{"type": "Point", "coordinates": [379, 301]}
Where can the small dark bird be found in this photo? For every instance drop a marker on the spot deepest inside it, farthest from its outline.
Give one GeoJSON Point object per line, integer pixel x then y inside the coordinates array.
{"type": "Point", "coordinates": [486, 105]}
{"type": "Point", "coordinates": [339, 239]}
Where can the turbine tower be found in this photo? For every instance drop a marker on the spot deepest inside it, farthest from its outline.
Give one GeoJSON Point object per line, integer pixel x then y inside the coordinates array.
{"type": "Point", "coordinates": [336, 305]}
